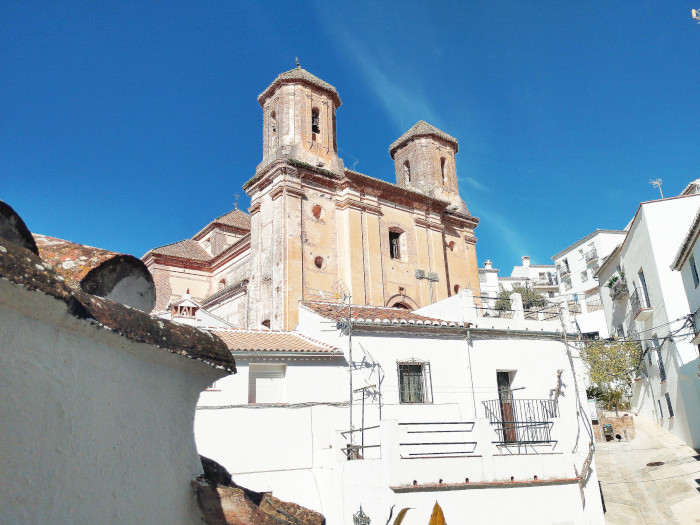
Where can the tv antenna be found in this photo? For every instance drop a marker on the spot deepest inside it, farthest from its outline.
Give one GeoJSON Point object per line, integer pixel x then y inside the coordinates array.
{"type": "Point", "coordinates": [696, 15]}
{"type": "Point", "coordinates": [657, 184]}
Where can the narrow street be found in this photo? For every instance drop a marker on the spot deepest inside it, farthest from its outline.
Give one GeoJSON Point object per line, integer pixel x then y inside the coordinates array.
{"type": "Point", "coordinates": [638, 493]}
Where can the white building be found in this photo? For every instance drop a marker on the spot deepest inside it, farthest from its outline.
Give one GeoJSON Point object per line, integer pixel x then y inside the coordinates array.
{"type": "Point", "coordinates": [541, 278]}
{"type": "Point", "coordinates": [96, 398]}
{"type": "Point", "coordinates": [685, 262]}
{"type": "Point", "coordinates": [466, 410]}
{"type": "Point", "coordinates": [645, 300]}
{"type": "Point", "coordinates": [576, 266]}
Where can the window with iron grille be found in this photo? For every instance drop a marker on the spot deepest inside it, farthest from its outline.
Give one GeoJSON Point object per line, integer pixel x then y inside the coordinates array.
{"type": "Point", "coordinates": [660, 359]}
{"type": "Point", "coordinates": [694, 271]}
{"type": "Point", "coordinates": [415, 384]}
{"type": "Point", "coordinates": [668, 402]}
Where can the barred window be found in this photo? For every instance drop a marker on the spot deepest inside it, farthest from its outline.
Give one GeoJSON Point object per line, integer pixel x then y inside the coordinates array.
{"type": "Point", "coordinates": [415, 384]}
{"type": "Point", "coordinates": [668, 402]}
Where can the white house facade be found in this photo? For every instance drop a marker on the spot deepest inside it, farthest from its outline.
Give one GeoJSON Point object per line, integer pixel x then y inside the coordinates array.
{"type": "Point", "coordinates": [686, 263]}
{"type": "Point", "coordinates": [96, 398]}
{"type": "Point", "coordinates": [446, 405]}
{"type": "Point", "coordinates": [645, 300]}
{"type": "Point", "coordinates": [576, 267]}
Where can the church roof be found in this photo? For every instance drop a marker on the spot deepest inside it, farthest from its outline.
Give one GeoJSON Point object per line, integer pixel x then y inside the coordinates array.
{"type": "Point", "coordinates": [298, 74]}
{"type": "Point", "coordinates": [421, 129]}
{"type": "Point", "coordinates": [239, 340]}
{"type": "Point", "coordinates": [187, 249]}
{"type": "Point", "coordinates": [235, 219]}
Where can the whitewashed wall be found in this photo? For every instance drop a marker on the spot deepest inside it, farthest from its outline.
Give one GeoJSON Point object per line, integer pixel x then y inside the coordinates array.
{"type": "Point", "coordinates": [95, 428]}
{"type": "Point", "coordinates": [296, 451]}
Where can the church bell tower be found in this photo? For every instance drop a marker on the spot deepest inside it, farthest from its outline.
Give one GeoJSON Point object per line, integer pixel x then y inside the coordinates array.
{"type": "Point", "coordinates": [299, 120]}
{"type": "Point", "coordinates": [424, 160]}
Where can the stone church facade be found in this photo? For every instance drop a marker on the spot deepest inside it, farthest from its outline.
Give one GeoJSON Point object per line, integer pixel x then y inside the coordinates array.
{"type": "Point", "coordinates": [315, 227]}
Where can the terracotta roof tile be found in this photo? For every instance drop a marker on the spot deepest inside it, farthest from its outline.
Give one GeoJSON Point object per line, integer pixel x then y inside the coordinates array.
{"type": "Point", "coordinates": [239, 340]}
{"type": "Point", "coordinates": [302, 75]}
{"type": "Point", "coordinates": [376, 315]}
{"type": "Point", "coordinates": [70, 260]}
{"type": "Point", "coordinates": [187, 249]}
{"type": "Point", "coordinates": [25, 269]}
{"type": "Point", "coordinates": [235, 218]}
{"type": "Point", "coordinates": [421, 129]}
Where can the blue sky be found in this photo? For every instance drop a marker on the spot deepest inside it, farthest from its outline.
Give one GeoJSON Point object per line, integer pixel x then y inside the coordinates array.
{"type": "Point", "coordinates": [131, 125]}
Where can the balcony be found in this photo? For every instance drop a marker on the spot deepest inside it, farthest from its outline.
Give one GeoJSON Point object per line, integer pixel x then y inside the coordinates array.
{"type": "Point", "coordinates": [522, 421]}
{"type": "Point", "coordinates": [619, 289]}
{"type": "Point", "coordinates": [641, 309]}
{"type": "Point", "coordinates": [591, 255]}
{"type": "Point", "coordinates": [563, 270]}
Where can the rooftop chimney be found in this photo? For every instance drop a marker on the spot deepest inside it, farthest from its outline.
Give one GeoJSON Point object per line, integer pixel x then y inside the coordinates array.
{"type": "Point", "coordinates": [487, 265]}
{"type": "Point", "coordinates": [526, 261]}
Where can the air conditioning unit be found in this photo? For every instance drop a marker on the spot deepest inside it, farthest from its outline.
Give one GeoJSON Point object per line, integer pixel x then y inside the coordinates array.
{"type": "Point", "coordinates": [420, 274]}
{"type": "Point", "coordinates": [433, 276]}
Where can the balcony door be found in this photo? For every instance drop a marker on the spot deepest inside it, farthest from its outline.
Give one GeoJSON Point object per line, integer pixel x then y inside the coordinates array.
{"type": "Point", "coordinates": [505, 397]}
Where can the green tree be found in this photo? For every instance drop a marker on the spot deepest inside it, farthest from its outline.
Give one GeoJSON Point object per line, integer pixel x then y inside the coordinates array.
{"type": "Point", "coordinates": [531, 299]}
{"type": "Point", "coordinates": [610, 365]}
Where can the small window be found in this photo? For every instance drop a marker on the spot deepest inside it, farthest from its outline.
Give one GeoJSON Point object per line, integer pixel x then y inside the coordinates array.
{"type": "Point", "coordinates": [266, 323]}
{"type": "Point", "coordinates": [319, 262]}
{"type": "Point", "coordinates": [451, 246]}
{"type": "Point", "coordinates": [415, 385]}
{"type": "Point", "coordinates": [694, 271]}
{"type": "Point", "coordinates": [395, 244]}
{"type": "Point", "coordinates": [407, 172]}
{"type": "Point", "coordinates": [668, 403]}
{"type": "Point", "coordinates": [456, 288]}
{"type": "Point", "coordinates": [273, 122]}
{"type": "Point", "coordinates": [584, 276]}
{"type": "Point", "coordinates": [266, 384]}
{"type": "Point", "coordinates": [317, 211]}
{"type": "Point", "coordinates": [442, 171]}
{"type": "Point", "coordinates": [402, 290]}
{"type": "Point", "coordinates": [315, 121]}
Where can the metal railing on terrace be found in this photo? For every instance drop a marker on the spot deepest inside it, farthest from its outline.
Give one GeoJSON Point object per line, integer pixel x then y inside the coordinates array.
{"type": "Point", "coordinates": [619, 289]}
{"type": "Point", "coordinates": [591, 255]}
{"type": "Point", "coordinates": [522, 421]}
{"type": "Point", "coordinates": [436, 439]}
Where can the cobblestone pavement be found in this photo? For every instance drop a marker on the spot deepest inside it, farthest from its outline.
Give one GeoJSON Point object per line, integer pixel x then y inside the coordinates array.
{"type": "Point", "coordinates": [636, 493]}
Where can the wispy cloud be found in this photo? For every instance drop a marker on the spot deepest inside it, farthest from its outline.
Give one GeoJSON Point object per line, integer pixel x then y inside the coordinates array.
{"type": "Point", "coordinates": [473, 183]}
{"type": "Point", "coordinates": [404, 105]}
{"type": "Point", "coordinates": [397, 90]}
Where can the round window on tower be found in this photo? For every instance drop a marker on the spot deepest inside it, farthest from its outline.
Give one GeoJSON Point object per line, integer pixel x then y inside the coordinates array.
{"type": "Point", "coordinates": [320, 262]}
{"type": "Point", "coordinates": [317, 211]}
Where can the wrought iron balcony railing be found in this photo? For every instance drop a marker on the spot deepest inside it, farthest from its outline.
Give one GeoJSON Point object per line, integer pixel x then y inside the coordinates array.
{"type": "Point", "coordinates": [639, 302]}
{"type": "Point", "coordinates": [563, 270]}
{"type": "Point", "coordinates": [591, 255]}
{"type": "Point", "coordinates": [619, 289]}
{"type": "Point", "coordinates": [522, 421]}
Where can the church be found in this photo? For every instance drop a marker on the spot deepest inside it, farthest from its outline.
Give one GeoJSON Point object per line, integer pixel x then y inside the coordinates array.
{"type": "Point", "coordinates": [317, 230]}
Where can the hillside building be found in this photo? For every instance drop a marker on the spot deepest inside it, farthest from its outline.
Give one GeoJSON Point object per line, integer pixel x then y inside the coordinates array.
{"type": "Point", "coordinates": [314, 224]}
